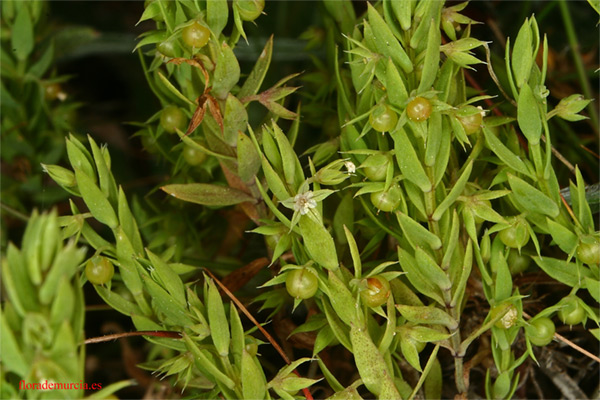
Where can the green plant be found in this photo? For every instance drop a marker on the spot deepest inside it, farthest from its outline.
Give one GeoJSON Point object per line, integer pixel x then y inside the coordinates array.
{"type": "Point", "coordinates": [172, 119]}
{"type": "Point", "coordinates": [43, 315]}
{"type": "Point", "coordinates": [383, 119]}
{"type": "Point", "coordinates": [99, 270]}
{"type": "Point", "coordinates": [571, 311]}
{"type": "Point", "coordinates": [195, 35]}
{"type": "Point", "coordinates": [419, 109]}
{"type": "Point", "coordinates": [401, 240]}
{"type": "Point", "coordinates": [588, 251]}
{"type": "Point", "coordinates": [376, 291]}
{"type": "Point", "coordinates": [541, 331]}
{"type": "Point", "coordinates": [37, 110]}
{"type": "Point", "coordinates": [301, 283]}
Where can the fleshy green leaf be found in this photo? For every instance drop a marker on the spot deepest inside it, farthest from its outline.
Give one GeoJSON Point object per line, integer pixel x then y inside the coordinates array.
{"type": "Point", "coordinates": [564, 237]}
{"type": "Point", "coordinates": [255, 79]}
{"type": "Point", "coordinates": [207, 194]}
{"type": "Point", "coordinates": [432, 58]}
{"type": "Point", "coordinates": [117, 301]}
{"type": "Point", "coordinates": [568, 273]}
{"type": "Point", "coordinates": [371, 365]}
{"type": "Point", "coordinates": [318, 242]}
{"type": "Point", "coordinates": [216, 15]}
{"type": "Point", "coordinates": [253, 378]}
{"type": "Point", "coordinates": [217, 319]}
{"type": "Point", "coordinates": [395, 86]}
{"type": "Point", "coordinates": [522, 55]}
{"type": "Point", "coordinates": [12, 356]}
{"type": "Point", "coordinates": [95, 200]}
{"type": "Point", "coordinates": [22, 39]}
{"type": "Point", "coordinates": [427, 315]}
{"type": "Point", "coordinates": [417, 234]}
{"type": "Point", "coordinates": [504, 153]}
{"type": "Point", "coordinates": [416, 277]}
{"type": "Point", "coordinates": [341, 299]}
{"type": "Point", "coordinates": [227, 72]}
{"type": "Point", "coordinates": [202, 359]}
{"type": "Point", "coordinates": [409, 162]}
{"type": "Point", "coordinates": [456, 191]}
{"type": "Point", "coordinates": [431, 270]}
{"type": "Point", "coordinates": [174, 312]}
{"type": "Point", "coordinates": [386, 42]}
{"type": "Point", "coordinates": [531, 199]}
{"type": "Point", "coordinates": [168, 278]}
{"type": "Point", "coordinates": [528, 115]}
{"type": "Point", "coordinates": [235, 119]}
{"type": "Point", "coordinates": [248, 158]}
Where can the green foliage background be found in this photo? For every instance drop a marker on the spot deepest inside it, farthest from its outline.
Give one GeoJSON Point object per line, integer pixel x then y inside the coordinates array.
{"type": "Point", "coordinates": [447, 253]}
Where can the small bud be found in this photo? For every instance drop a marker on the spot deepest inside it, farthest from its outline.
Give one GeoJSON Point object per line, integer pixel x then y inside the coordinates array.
{"type": "Point", "coordinates": [330, 177]}
{"type": "Point", "coordinates": [60, 175]}
{"type": "Point", "coordinates": [569, 107]}
{"type": "Point", "coordinates": [486, 247]}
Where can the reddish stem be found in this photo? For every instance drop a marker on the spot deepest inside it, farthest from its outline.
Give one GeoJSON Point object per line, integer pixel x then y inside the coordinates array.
{"type": "Point", "coordinates": [243, 309]}
{"type": "Point", "coordinates": [114, 336]}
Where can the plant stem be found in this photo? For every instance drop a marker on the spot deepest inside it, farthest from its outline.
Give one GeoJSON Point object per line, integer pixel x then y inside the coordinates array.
{"type": "Point", "coordinates": [455, 339]}
{"type": "Point", "coordinates": [114, 336]}
{"type": "Point", "coordinates": [574, 43]}
{"type": "Point", "coordinates": [14, 213]}
{"type": "Point", "coordinates": [455, 342]}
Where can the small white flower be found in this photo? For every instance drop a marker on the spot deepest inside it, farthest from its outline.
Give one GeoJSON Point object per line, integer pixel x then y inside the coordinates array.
{"type": "Point", "coordinates": [350, 167]}
{"type": "Point", "coordinates": [482, 111]}
{"type": "Point", "coordinates": [303, 202]}
{"type": "Point", "coordinates": [509, 318]}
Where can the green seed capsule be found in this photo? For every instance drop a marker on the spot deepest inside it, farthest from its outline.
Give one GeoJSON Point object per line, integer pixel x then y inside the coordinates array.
{"type": "Point", "coordinates": [383, 118]}
{"type": "Point", "coordinates": [195, 35]}
{"type": "Point", "coordinates": [99, 270]}
{"type": "Point", "coordinates": [419, 109]}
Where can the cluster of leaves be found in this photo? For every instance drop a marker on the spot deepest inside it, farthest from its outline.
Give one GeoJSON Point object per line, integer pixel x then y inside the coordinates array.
{"type": "Point", "coordinates": [42, 319]}
{"type": "Point", "coordinates": [421, 203]}
{"type": "Point", "coordinates": [36, 113]}
{"type": "Point", "coordinates": [212, 354]}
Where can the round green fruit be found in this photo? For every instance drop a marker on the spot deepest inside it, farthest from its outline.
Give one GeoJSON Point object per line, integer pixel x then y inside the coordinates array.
{"type": "Point", "coordinates": [195, 35]}
{"type": "Point", "coordinates": [419, 109]}
{"type": "Point", "coordinates": [167, 48]}
{"type": "Point", "coordinates": [516, 235]}
{"type": "Point", "coordinates": [376, 167]}
{"type": "Point", "coordinates": [383, 118]}
{"type": "Point", "coordinates": [251, 347]}
{"type": "Point", "coordinates": [376, 292]}
{"type": "Point", "coordinates": [301, 283]}
{"type": "Point", "coordinates": [471, 123]}
{"type": "Point", "coordinates": [518, 263]}
{"type": "Point", "coordinates": [541, 331]}
{"type": "Point", "coordinates": [387, 201]}
{"type": "Point", "coordinates": [589, 253]}
{"type": "Point", "coordinates": [172, 118]}
{"type": "Point", "coordinates": [193, 156]}
{"type": "Point", "coordinates": [249, 10]}
{"type": "Point", "coordinates": [99, 270]}
{"type": "Point", "coordinates": [571, 313]}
